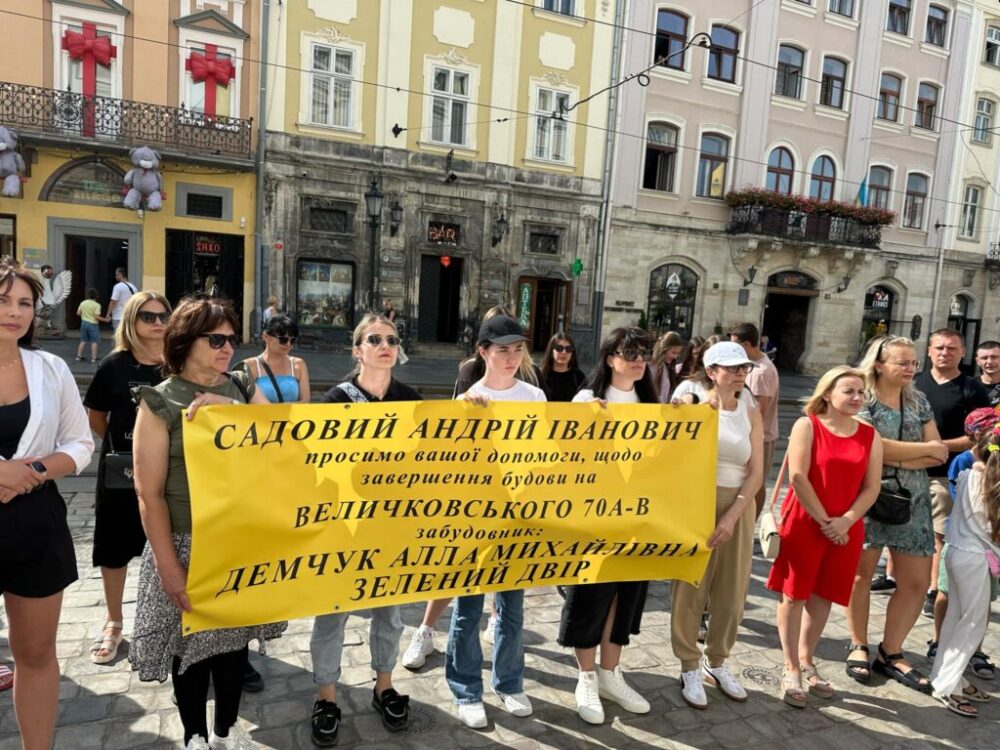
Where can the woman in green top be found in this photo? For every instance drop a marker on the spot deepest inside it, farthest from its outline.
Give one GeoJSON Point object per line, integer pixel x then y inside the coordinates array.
{"type": "Point", "coordinates": [198, 345]}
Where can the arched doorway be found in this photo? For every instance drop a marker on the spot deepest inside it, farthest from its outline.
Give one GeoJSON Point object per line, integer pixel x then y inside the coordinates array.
{"type": "Point", "coordinates": [876, 320]}
{"type": "Point", "coordinates": [673, 291]}
{"type": "Point", "coordinates": [962, 317]}
{"type": "Point", "coordinates": [786, 315]}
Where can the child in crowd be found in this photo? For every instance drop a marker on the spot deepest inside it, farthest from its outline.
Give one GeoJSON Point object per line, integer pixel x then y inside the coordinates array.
{"type": "Point", "coordinates": [90, 330]}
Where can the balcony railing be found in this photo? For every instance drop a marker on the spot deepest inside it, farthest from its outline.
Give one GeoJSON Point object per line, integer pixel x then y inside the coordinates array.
{"type": "Point", "coordinates": [993, 255]}
{"type": "Point", "coordinates": [803, 227]}
{"type": "Point", "coordinates": [35, 110]}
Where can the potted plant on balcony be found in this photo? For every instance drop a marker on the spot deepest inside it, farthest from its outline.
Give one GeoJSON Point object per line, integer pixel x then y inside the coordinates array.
{"type": "Point", "coordinates": [759, 197]}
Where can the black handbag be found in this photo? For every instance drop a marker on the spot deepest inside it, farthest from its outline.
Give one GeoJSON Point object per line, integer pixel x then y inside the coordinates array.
{"type": "Point", "coordinates": [119, 472]}
{"type": "Point", "coordinates": [892, 506]}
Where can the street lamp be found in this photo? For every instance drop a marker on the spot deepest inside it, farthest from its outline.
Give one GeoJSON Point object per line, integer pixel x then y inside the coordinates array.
{"type": "Point", "coordinates": [373, 204]}
{"type": "Point", "coordinates": [395, 217]}
{"type": "Point", "coordinates": [499, 230]}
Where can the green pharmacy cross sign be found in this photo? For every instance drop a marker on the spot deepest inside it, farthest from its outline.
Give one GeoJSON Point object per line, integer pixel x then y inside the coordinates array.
{"type": "Point", "coordinates": [576, 267]}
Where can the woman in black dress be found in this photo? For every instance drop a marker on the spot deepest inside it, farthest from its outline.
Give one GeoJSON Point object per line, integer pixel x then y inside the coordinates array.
{"type": "Point", "coordinates": [561, 375]}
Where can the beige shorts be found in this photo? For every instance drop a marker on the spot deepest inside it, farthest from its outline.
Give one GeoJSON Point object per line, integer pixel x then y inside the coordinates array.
{"type": "Point", "coordinates": [941, 502]}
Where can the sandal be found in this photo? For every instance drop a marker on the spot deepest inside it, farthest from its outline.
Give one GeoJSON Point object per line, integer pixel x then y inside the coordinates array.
{"type": "Point", "coordinates": [981, 666]}
{"type": "Point", "coordinates": [885, 664]}
{"type": "Point", "coordinates": [791, 690]}
{"type": "Point", "coordinates": [108, 642]}
{"type": "Point", "coordinates": [816, 684]}
{"type": "Point", "coordinates": [858, 669]}
{"type": "Point", "coordinates": [972, 693]}
{"type": "Point", "coordinates": [6, 678]}
{"type": "Point", "coordinates": [957, 704]}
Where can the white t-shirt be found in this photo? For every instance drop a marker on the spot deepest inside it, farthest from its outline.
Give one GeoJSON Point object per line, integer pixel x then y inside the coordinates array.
{"type": "Point", "coordinates": [121, 294]}
{"type": "Point", "coordinates": [695, 388]}
{"type": "Point", "coordinates": [613, 396]}
{"type": "Point", "coordinates": [520, 392]}
{"type": "Point", "coordinates": [734, 445]}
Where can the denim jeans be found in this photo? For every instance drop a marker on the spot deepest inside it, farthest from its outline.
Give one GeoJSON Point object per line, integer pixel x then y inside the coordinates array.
{"type": "Point", "coordinates": [327, 643]}
{"type": "Point", "coordinates": [463, 666]}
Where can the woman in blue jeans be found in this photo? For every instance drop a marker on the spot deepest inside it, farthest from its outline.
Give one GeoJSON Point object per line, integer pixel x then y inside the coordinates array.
{"type": "Point", "coordinates": [501, 345]}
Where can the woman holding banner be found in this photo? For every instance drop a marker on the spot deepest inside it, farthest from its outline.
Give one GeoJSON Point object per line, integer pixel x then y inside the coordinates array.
{"type": "Point", "coordinates": [198, 346]}
{"type": "Point", "coordinates": [723, 588]}
{"type": "Point", "coordinates": [606, 614]}
{"type": "Point", "coordinates": [376, 351]}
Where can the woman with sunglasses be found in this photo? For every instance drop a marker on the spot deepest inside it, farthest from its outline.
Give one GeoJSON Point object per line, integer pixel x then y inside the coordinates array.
{"type": "Point", "coordinates": [376, 351]}
{"type": "Point", "coordinates": [723, 589]}
{"type": "Point", "coordinates": [280, 377]}
{"type": "Point", "coordinates": [198, 346]}
{"type": "Point", "coordinates": [118, 534]}
{"type": "Point", "coordinates": [561, 375]}
{"type": "Point", "coordinates": [607, 614]}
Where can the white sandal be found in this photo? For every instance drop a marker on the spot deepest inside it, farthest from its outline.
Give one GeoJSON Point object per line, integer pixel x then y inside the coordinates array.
{"type": "Point", "coordinates": [107, 642]}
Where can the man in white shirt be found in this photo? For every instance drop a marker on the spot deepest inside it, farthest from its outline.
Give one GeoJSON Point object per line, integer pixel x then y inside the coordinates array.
{"type": "Point", "coordinates": [120, 294]}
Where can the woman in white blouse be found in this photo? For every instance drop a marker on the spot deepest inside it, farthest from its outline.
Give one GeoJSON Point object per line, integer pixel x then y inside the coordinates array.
{"type": "Point", "coordinates": [44, 436]}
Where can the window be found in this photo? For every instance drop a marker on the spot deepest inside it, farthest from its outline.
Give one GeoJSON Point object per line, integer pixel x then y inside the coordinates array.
{"type": "Point", "coordinates": [550, 132]}
{"type": "Point", "coordinates": [927, 99]}
{"type": "Point", "coordinates": [451, 102]}
{"type": "Point", "coordinates": [332, 86]}
{"type": "Point", "coordinates": [899, 16]}
{"type": "Point", "coordinates": [780, 170]}
{"type": "Point", "coordinates": [937, 26]}
{"type": "Point", "coordinates": [722, 55]}
{"type": "Point", "coordinates": [914, 202]}
{"type": "Point", "coordinates": [992, 55]}
{"type": "Point", "coordinates": [324, 294]}
{"type": "Point", "coordinates": [201, 204]}
{"type": "Point", "coordinates": [661, 157]}
{"type": "Point", "coordinates": [673, 289]}
{"type": "Point", "coordinates": [831, 92]}
{"type": "Point", "coordinates": [841, 7]}
{"type": "Point", "coordinates": [544, 241]}
{"type": "Point", "coordinates": [888, 97]}
{"type": "Point", "coordinates": [76, 72]}
{"type": "Point", "coordinates": [983, 128]}
{"type": "Point", "coordinates": [879, 187]}
{"type": "Point", "coordinates": [559, 6]}
{"type": "Point", "coordinates": [823, 179]}
{"type": "Point", "coordinates": [970, 211]}
{"type": "Point", "coordinates": [790, 63]}
{"type": "Point", "coordinates": [671, 36]}
{"type": "Point", "coordinates": [712, 166]}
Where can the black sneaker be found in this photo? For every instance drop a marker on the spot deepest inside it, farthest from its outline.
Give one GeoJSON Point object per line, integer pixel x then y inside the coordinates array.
{"type": "Point", "coordinates": [394, 708]}
{"type": "Point", "coordinates": [882, 584]}
{"type": "Point", "coordinates": [325, 723]}
{"type": "Point", "coordinates": [929, 603]}
{"type": "Point", "coordinates": [252, 680]}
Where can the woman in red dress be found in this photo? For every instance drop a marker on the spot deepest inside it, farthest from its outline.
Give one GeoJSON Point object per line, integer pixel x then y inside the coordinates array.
{"type": "Point", "coordinates": [835, 469]}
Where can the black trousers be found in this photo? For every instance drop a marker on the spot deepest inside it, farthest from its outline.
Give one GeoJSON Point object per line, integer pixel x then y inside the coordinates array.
{"type": "Point", "coordinates": [191, 688]}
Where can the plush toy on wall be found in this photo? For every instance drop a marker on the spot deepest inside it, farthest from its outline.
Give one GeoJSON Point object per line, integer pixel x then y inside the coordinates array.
{"type": "Point", "coordinates": [144, 180]}
{"type": "Point", "coordinates": [11, 163]}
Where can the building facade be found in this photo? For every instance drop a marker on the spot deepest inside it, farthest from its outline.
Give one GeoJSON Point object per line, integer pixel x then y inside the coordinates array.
{"type": "Point", "coordinates": [88, 81]}
{"type": "Point", "coordinates": [442, 112]}
{"type": "Point", "coordinates": [842, 100]}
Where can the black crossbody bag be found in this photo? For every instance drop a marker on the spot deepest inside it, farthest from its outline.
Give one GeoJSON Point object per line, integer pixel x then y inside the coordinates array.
{"type": "Point", "coordinates": [892, 506]}
{"type": "Point", "coordinates": [119, 472]}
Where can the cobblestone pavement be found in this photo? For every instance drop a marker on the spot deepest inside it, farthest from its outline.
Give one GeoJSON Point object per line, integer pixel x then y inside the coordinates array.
{"type": "Point", "coordinates": [108, 707]}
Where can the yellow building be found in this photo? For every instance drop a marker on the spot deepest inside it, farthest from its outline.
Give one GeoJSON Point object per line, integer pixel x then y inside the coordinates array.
{"type": "Point", "coordinates": [452, 108]}
{"type": "Point", "coordinates": [89, 80]}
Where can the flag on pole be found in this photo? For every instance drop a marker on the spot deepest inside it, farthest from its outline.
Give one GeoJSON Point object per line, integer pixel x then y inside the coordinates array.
{"type": "Point", "coordinates": [861, 199]}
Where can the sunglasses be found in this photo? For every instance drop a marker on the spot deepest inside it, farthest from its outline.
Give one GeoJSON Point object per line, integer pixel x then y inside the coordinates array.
{"type": "Point", "coordinates": [634, 355]}
{"type": "Point", "coordinates": [284, 340]}
{"type": "Point", "coordinates": [151, 317]}
{"type": "Point", "coordinates": [219, 340]}
{"type": "Point", "coordinates": [736, 369]}
{"type": "Point", "coordinates": [376, 340]}
{"type": "Point", "coordinates": [563, 348]}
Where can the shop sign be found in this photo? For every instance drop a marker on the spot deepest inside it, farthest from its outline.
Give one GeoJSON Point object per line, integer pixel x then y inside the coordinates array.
{"type": "Point", "coordinates": [524, 307]}
{"type": "Point", "coordinates": [207, 244]}
{"type": "Point", "coordinates": [443, 233]}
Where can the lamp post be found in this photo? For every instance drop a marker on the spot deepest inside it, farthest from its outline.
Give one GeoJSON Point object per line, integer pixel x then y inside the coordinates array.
{"type": "Point", "coordinates": [373, 204]}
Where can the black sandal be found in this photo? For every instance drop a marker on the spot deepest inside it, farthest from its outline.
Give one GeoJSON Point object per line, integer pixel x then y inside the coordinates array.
{"type": "Point", "coordinates": [858, 669]}
{"type": "Point", "coordinates": [885, 664]}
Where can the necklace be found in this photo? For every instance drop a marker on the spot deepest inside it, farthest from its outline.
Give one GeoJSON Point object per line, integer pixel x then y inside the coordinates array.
{"type": "Point", "coordinates": [15, 361]}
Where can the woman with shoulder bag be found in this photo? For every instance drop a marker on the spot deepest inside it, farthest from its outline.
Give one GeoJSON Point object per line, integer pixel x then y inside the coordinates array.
{"type": "Point", "coordinates": [910, 443]}
{"type": "Point", "coordinates": [279, 376]}
{"type": "Point", "coordinates": [834, 467]}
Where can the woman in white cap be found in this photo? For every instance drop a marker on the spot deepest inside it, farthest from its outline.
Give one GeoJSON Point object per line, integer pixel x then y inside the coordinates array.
{"type": "Point", "coordinates": [723, 588]}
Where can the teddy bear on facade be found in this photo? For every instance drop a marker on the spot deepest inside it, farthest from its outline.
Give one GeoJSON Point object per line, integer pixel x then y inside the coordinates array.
{"type": "Point", "coordinates": [144, 180]}
{"type": "Point", "coordinates": [11, 163]}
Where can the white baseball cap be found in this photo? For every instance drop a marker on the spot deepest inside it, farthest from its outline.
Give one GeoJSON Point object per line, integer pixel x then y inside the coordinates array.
{"type": "Point", "coordinates": [727, 354]}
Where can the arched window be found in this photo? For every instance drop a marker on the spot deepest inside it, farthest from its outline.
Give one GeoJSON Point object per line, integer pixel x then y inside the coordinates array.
{"type": "Point", "coordinates": [992, 54]}
{"type": "Point", "coordinates": [831, 92]}
{"type": "Point", "coordinates": [970, 212]}
{"type": "Point", "coordinates": [722, 55]}
{"type": "Point", "coordinates": [916, 199]}
{"type": "Point", "coordinates": [983, 128]}
{"type": "Point", "coordinates": [673, 290]}
{"type": "Point", "coordinates": [780, 170]}
{"type": "Point", "coordinates": [823, 179]}
{"type": "Point", "coordinates": [879, 187]}
{"type": "Point", "coordinates": [899, 16]}
{"type": "Point", "coordinates": [671, 36]}
{"type": "Point", "coordinates": [90, 181]}
{"type": "Point", "coordinates": [712, 166]}
{"type": "Point", "coordinates": [927, 101]}
{"type": "Point", "coordinates": [661, 157]}
{"type": "Point", "coordinates": [889, 92]}
{"type": "Point", "coordinates": [791, 62]}
{"type": "Point", "coordinates": [937, 26]}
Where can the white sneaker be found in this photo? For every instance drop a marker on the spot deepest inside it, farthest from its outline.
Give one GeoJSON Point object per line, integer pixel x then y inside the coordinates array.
{"type": "Point", "coordinates": [237, 739]}
{"type": "Point", "coordinates": [197, 742]}
{"type": "Point", "coordinates": [491, 626]}
{"type": "Point", "coordinates": [693, 690]}
{"type": "Point", "coordinates": [473, 715]}
{"type": "Point", "coordinates": [588, 698]}
{"type": "Point", "coordinates": [516, 703]}
{"type": "Point", "coordinates": [421, 646]}
{"type": "Point", "coordinates": [612, 685]}
{"type": "Point", "coordinates": [723, 679]}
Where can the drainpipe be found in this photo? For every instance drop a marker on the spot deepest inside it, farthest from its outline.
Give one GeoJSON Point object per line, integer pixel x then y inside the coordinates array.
{"type": "Point", "coordinates": [938, 272]}
{"type": "Point", "coordinates": [604, 220]}
{"type": "Point", "coordinates": [260, 252]}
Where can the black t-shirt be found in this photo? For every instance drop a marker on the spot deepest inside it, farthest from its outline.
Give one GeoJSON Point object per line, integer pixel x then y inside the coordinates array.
{"type": "Point", "coordinates": [562, 386]}
{"type": "Point", "coordinates": [993, 393]}
{"type": "Point", "coordinates": [951, 403]}
{"type": "Point", "coordinates": [397, 392]}
{"type": "Point", "coordinates": [111, 391]}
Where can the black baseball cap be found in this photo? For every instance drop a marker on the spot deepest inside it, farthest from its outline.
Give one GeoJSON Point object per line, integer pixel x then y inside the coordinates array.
{"type": "Point", "coordinates": [500, 330]}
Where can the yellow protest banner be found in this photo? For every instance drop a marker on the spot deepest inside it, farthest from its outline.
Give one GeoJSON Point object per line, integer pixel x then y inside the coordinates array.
{"type": "Point", "coordinates": [305, 509]}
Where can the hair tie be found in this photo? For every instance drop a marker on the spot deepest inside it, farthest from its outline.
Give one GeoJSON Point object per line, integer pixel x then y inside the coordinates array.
{"type": "Point", "coordinates": [993, 447]}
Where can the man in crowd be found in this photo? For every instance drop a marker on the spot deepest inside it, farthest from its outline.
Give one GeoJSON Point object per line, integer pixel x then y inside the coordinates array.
{"type": "Point", "coordinates": [120, 294]}
{"type": "Point", "coordinates": [988, 359]}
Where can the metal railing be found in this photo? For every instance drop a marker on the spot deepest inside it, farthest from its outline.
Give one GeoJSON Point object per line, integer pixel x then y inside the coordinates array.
{"type": "Point", "coordinates": [993, 255]}
{"type": "Point", "coordinates": [36, 110]}
{"type": "Point", "coordinates": [803, 227]}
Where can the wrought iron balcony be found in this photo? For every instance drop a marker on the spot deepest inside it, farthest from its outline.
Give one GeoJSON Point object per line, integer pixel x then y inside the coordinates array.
{"type": "Point", "coordinates": [65, 116]}
{"type": "Point", "coordinates": [804, 227]}
{"type": "Point", "coordinates": [993, 255]}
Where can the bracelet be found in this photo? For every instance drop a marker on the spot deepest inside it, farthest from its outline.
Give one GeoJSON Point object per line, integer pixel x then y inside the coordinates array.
{"type": "Point", "coordinates": [741, 497]}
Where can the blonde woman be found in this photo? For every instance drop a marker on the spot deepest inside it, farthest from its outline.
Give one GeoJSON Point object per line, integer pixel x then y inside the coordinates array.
{"type": "Point", "coordinates": [118, 534]}
{"type": "Point", "coordinates": [665, 364]}
{"type": "Point", "coordinates": [473, 369]}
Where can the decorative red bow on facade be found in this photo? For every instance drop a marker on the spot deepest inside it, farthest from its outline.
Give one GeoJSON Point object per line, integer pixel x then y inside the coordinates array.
{"type": "Point", "coordinates": [91, 50]}
{"type": "Point", "coordinates": [212, 70]}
